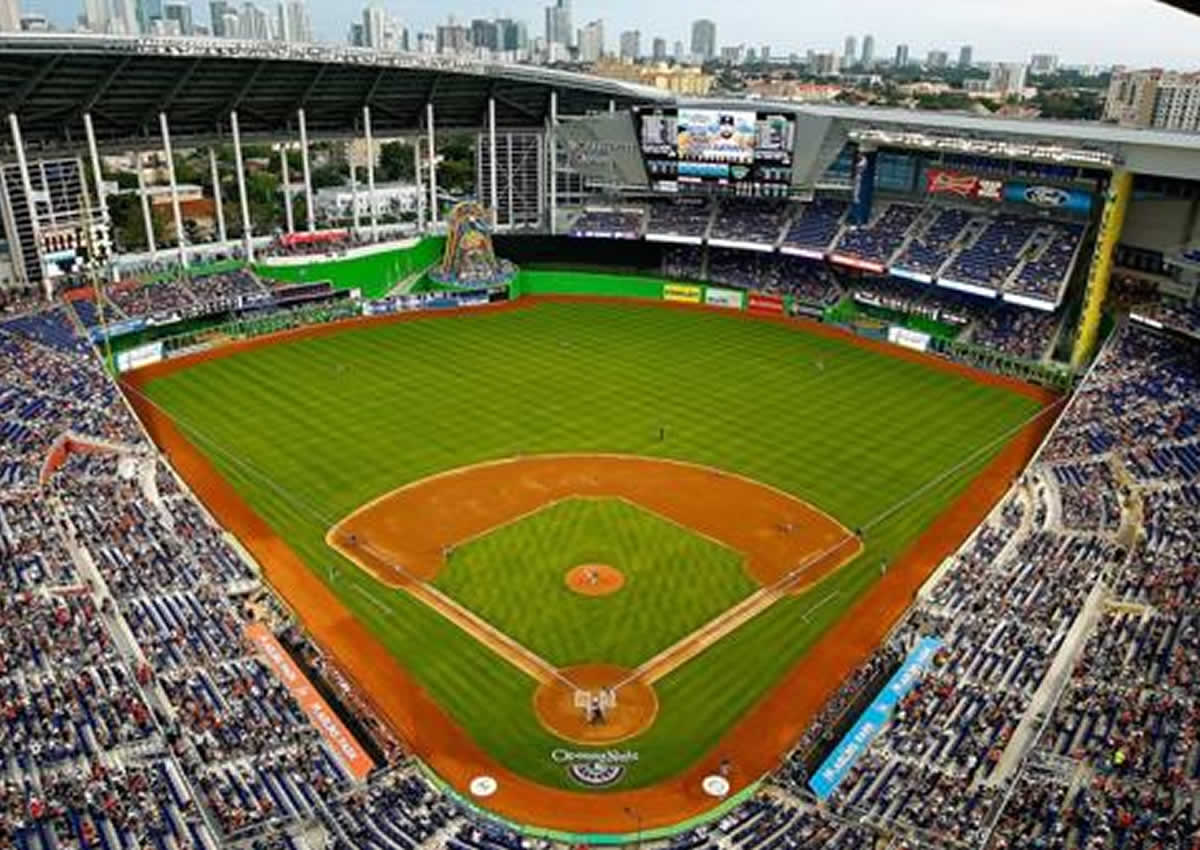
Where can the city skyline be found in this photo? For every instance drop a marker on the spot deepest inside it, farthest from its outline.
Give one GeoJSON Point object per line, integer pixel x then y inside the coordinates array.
{"type": "Point", "coordinates": [1077, 31]}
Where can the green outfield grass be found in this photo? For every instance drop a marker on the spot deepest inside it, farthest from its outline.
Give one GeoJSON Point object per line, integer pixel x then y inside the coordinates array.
{"type": "Point", "coordinates": [310, 430]}
{"type": "Point", "coordinates": [675, 581]}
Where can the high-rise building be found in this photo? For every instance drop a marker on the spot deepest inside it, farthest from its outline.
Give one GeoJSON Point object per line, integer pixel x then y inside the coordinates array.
{"type": "Point", "coordinates": [452, 38]}
{"type": "Point", "coordinates": [937, 59]}
{"type": "Point", "coordinates": [510, 34]}
{"type": "Point", "coordinates": [901, 55]}
{"type": "Point", "coordinates": [704, 39]}
{"type": "Point", "coordinates": [631, 44]}
{"type": "Point", "coordinates": [485, 34]}
{"type": "Point", "coordinates": [591, 41]}
{"type": "Point", "coordinates": [1165, 100]}
{"type": "Point", "coordinates": [252, 23]}
{"type": "Point", "coordinates": [95, 15]}
{"type": "Point", "coordinates": [1177, 102]}
{"type": "Point", "coordinates": [10, 15]}
{"type": "Point", "coordinates": [824, 64]}
{"type": "Point", "coordinates": [1043, 63]}
{"type": "Point", "coordinates": [558, 23]}
{"type": "Point", "coordinates": [965, 56]}
{"type": "Point", "coordinates": [294, 23]}
{"type": "Point", "coordinates": [179, 11]}
{"type": "Point", "coordinates": [426, 42]}
{"type": "Point", "coordinates": [216, 17]}
{"type": "Point", "coordinates": [679, 52]}
{"type": "Point", "coordinates": [658, 50]}
{"type": "Point", "coordinates": [849, 51]}
{"type": "Point", "coordinates": [1007, 78]}
{"type": "Point", "coordinates": [868, 51]}
{"type": "Point", "coordinates": [374, 22]}
{"type": "Point", "coordinates": [765, 53]}
{"type": "Point", "coordinates": [354, 37]}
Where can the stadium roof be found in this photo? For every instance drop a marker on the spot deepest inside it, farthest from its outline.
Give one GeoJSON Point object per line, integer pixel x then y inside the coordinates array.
{"type": "Point", "coordinates": [49, 80]}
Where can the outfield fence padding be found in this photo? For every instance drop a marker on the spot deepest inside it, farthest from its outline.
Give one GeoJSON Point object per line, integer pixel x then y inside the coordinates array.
{"type": "Point", "coordinates": [375, 273]}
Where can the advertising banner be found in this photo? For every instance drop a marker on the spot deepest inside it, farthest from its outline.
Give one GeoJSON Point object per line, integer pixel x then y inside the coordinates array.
{"type": "Point", "coordinates": [723, 298]}
{"type": "Point", "coordinates": [1049, 197]}
{"type": "Point", "coordinates": [761, 303]}
{"type": "Point", "coordinates": [941, 182]}
{"type": "Point", "coordinates": [681, 292]}
{"type": "Point", "coordinates": [143, 355]}
{"type": "Point", "coordinates": [908, 338]}
{"type": "Point", "coordinates": [834, 769]}
{"type": "Point", "coordinates": [341, 743]}
{"type": "Point", "coordinates": [856, 263]}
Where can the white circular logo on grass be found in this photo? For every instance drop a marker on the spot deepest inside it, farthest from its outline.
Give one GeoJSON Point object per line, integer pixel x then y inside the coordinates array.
{"type": "Point", "coordinates": [483, 786]}
{"type": "Point", "coordinates": [715, 786]}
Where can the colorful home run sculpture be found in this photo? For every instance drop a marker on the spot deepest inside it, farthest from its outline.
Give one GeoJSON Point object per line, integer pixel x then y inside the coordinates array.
{"type": "Point", "coordinates": [469, 259]}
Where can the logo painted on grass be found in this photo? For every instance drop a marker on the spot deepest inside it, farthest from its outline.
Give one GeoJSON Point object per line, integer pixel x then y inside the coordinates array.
{"type": "Point", "coordinates": [595, 769]}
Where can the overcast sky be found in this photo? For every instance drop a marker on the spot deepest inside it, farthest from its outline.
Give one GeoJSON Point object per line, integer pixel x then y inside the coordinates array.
{"type": "Point", "coordinates": [1132, 32]}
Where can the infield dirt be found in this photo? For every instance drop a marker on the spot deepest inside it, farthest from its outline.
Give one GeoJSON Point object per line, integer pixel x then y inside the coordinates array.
{"type": "Point", "coordinates": [754, 745]}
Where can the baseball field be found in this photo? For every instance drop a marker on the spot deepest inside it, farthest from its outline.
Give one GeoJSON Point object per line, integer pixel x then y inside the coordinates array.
{"type": "Point", "coordinates": [689, 499]}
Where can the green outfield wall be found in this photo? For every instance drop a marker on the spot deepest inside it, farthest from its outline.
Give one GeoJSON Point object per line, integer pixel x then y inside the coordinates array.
{"type": "Point", "coordinates": [373, 273]}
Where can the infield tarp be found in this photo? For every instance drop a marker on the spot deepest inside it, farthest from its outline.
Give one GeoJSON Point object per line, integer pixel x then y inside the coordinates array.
{"type": "Point", "coordinates": [834, 769]}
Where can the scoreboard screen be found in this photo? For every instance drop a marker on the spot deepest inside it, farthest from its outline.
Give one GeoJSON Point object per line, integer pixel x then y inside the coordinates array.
{"type": "Point", "coordinates": [722, 151]}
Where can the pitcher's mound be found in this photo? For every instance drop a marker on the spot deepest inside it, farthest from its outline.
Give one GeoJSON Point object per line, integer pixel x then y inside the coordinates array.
{"type": "Point", "coordinates": [595, 579]}
{"type": "Point", "coordinates": [556, 706]}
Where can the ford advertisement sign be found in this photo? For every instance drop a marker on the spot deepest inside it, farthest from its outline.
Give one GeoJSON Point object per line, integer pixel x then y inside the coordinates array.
{"type": "Point", "coordinates": [1049, 197]}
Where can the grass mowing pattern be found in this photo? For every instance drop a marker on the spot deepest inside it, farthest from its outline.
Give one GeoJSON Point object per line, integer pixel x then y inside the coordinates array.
{"type": "Point", "coordinates": [338, 420]}
{"type": "Point", "coordinates": [675, 581]}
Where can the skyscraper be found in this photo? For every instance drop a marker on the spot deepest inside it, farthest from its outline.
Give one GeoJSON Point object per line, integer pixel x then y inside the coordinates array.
{"type": "Point", "coordinates": [901, 55]}
{"type": "Point", "coordinates": [679, 50]}
{"type": "Point", "coordinates": [631, 44]}
{"type": "Point", "coordinates": [965, 56]}
{"type": "Point", "coordinates": [294, 22]}
{"type": "Point", "coordinates": [704, 39]}
{"type": "Point", "coordinates": [485, 34]}
{"type": "Point", "coordinates": [558, 23]}
{"type": "Point", "coordinates": [868, 50]}
{"type": "Point", "coordinates": [216, 18]}
{"type": "Point", "coordinates": [937, 59]}
{"type": "Point", "coordinates": [179, 11]}
{"type": "Point", "coordinates": [659, 50]}
{"type": "Point", "coordinates": [10, 15]}
{"type": "Point", "coordinates": [850, 51]}
{"type": "Point", "coordinates": [591, 41]}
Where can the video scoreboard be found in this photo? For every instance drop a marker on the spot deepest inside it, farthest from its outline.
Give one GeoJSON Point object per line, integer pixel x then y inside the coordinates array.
{"type": "Point", "coordinates": [717, 151]}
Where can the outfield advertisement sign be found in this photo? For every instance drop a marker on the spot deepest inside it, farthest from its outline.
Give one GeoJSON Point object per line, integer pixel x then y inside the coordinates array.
{"type": "Point", "coordinates": [908, 338]}
{"type": "Point", "coordinates": [939, 181]}
{"type": "Point", "coordinates": [731, 298]}
{"type": "Point", "coordinates": [834, 769]}
{"type": "Point", "coordinates": [136, 358]}
{"type": "Point", "coordinates": [1049, 197]}
{"type": "Point", "coordinates": [682, 293]}
{"type": "Point", "coordinates": [759, 302]}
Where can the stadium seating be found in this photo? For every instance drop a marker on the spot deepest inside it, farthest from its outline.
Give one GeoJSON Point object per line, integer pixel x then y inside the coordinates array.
{"type": "Point", "coordinates": [1046, 273]}
{"type": "Point", "coordinates": [613, 224]}
{"type": "Point", "coordinates": [928, 251]}
{"type": "Point", "coordinates": [880, 238]}
{"type": "Point", "coordinates": [993, 256]}
{"type": "Point", "coordinates": [670, 219]}
{"type": "Point", "coordinates": [815, 224]}
{"type": "Point", "coordinates": [755, 222]}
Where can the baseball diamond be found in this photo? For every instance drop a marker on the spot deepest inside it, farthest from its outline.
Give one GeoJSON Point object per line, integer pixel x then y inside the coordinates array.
{"type": "Point", "coordinates": [366, 448]}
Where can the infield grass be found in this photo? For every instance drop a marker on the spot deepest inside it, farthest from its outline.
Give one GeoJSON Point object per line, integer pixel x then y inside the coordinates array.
{"type": "Point", "coordinates": [308, 431]}
{"type": "Point", "coordinates": [675, 581]}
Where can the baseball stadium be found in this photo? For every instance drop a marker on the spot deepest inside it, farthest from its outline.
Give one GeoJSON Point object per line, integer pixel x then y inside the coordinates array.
{"type": "Point", "coordinates": [718, 474]}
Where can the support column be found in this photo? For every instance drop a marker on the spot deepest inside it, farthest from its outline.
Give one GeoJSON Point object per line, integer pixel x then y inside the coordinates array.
{"type": "Point", "coordinates": [433, 201]}
{"type": "Point", "coordinates": [247, 236]}
{"type": "Point", "coordinates": [552, 152]}
{"type": "Point", "coordinates": [612, 106]}
{"type": "Point", "coordinates": [287, 189]}
{"type": "Point", "coordinates": [180, 236]}
{"type": "Point", "coordinates": [309, 211]}
{"type": "Point", "coordinates": [864, 185]}
{"type": "Point", "coordinates": [420, 184]}
{"type": "Point", "coordinates": [353, 194]}
{"type": "Point", "coordinates": [147, 219]}
{"type": "Point", "coordinates": [508, 144]}
{"type": "Point", "coordinates": [216, 181]}
{"type": "Point", "coordinates": [97, 172]}
{"type": "Point", "coordinates": [372, 201]}
{"type": "Point", "coordinates": [1112, 222]}
{"type": "Point", "coordinates": [492, 170]}
{"type": "Point", "coordinates": [14, 127]}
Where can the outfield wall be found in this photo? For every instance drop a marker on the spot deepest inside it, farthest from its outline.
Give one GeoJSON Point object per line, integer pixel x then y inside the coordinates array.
{"type": "Point", "coordinates": [373, 269]}
{"type": "Point", "coordinates": [555, 282]}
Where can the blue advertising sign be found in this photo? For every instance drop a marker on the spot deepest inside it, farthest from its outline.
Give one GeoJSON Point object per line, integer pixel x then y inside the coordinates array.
{"type": "Point", "coordinates": [1049, 197]}
{"type": "Point", "coordinates": [834, 769]}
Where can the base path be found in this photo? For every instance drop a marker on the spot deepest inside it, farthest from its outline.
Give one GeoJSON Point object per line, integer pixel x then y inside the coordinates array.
{"type": "Point", "coordinates": [754, 745]}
